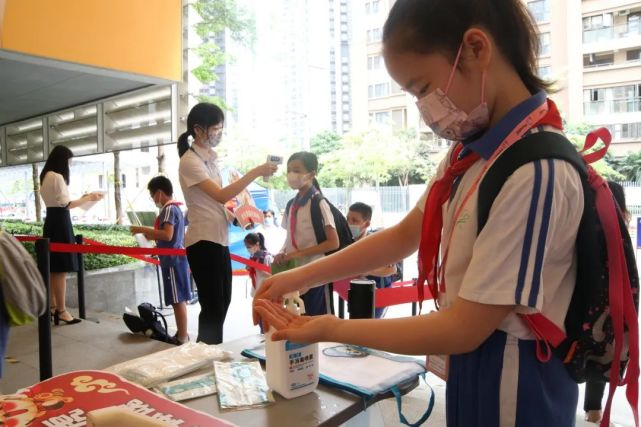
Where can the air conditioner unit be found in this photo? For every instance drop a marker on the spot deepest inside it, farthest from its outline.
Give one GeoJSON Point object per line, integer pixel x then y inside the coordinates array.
{"type": "Point", "coordinates": [624, 12]}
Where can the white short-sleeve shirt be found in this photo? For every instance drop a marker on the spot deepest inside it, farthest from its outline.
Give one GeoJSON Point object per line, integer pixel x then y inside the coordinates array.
{"type": "Point", "coordinates": [54, 191]}
{"type": "Point", "coordinates": [207, 218]}
{"type": "Point", "coordinates": [305, 237]}
{"type": "Point", "coordinates": [525, 254]}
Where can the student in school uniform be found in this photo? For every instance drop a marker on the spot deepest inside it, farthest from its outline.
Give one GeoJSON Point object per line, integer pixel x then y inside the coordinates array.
{"type": "Point", "coordinates": [301, 246]}
{"type": "Point", "coordinates": [471, 64]}
{"type": "Point", "coordinates": [54, 181]}
{"type": "Point", "coordinates": [206, 240]}
{"type": "Point", "coordinates": [169, 232]}
{"type": "Point", "coordinates": [359, 217]}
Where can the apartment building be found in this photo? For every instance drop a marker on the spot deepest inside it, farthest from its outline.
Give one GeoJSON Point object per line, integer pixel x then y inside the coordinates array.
{"type": "Point", "coordinates": [592, 49]}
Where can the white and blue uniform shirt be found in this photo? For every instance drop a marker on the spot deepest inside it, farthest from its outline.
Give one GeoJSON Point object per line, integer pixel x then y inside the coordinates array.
{"type": "Point", "coordinates": [525, 256]}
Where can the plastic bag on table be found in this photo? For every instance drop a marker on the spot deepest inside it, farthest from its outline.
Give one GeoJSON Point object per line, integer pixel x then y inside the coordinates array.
{"type": "Point", "coordinates": [189, 388]}
{"type": "Point", "coordinates": [155, 368]}
{"type": "Point", "coordinates": [242, 385]}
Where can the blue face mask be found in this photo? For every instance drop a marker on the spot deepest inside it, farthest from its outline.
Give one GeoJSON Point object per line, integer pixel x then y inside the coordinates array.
{"type": "Point", "coordinates": [355, 230]}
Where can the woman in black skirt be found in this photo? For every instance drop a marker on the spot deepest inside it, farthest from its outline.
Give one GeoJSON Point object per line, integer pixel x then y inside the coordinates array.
{"type": "Point", "coordinates": [54, 180]}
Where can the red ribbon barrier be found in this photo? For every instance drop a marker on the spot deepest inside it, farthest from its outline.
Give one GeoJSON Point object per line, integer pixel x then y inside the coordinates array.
{"type": "Point", "coordinates": [398, 293]}
{"type": "Point", "coordinates": [96, 247]}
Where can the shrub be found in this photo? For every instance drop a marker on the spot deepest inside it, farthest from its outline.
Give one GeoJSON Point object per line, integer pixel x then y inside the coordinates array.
{"type": "Point", "coordinates": [116, 235]}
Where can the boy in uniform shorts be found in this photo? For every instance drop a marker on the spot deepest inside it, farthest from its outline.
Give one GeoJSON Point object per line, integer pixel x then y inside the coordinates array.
{"type": "Point", "coordinates": [169, 232]}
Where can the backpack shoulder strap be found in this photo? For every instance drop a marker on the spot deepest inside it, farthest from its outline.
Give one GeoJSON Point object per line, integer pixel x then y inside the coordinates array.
{"type": "Point", "coordinates": [317, 217]}
{"type": "Point", "coordinates": [289, 207]}
{"type": "Point", "coordinates": [536, 146]}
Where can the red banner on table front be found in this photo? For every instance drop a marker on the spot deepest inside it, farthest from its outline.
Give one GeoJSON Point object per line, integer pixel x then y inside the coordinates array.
{"type": "Point", "coordinates": [64, 400]}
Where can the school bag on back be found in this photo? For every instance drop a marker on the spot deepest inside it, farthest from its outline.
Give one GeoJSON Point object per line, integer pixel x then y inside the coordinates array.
{"type": "Point", "coordinates": [601, 337]}
{"type": "Point", "coordinates": [342, 228]}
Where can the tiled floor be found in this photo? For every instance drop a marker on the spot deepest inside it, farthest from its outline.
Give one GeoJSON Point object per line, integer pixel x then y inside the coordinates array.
{"type": "Point", "coordinates": [70, 346]}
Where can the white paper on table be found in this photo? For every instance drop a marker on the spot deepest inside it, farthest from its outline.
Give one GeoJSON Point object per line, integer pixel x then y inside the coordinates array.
{"type": "Point", "coordinates": [90, 203]}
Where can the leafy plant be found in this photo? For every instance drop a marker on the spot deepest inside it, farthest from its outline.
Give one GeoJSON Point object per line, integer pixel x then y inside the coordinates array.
{"type": "Point", "coordinates": [109, 234]}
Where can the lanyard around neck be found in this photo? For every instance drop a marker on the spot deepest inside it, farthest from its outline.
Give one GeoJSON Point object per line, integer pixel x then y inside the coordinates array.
{"type": "Point", "coordinates": [516, 134]}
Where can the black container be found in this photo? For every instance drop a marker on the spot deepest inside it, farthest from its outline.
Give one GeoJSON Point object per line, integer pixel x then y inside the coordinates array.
{"type": "Point", "coordinates": [360, 299]}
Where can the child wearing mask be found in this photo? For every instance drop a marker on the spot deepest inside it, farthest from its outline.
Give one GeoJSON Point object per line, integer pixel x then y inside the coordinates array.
{"type": "Point", "coordinates": [255, 245]}
{"type": "Point", "coordinates": [471, 65]}
{"type": "Point", "coordinates": [359, 217]}
{"type": "Point", "coordinates": [169, 232]}
{"type": "Point", "coordinates": [301, 246]}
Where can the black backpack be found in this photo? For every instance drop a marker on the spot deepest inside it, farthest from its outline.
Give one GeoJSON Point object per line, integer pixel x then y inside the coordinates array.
{"type": "Point", "coordinates": [585, 356]}
{"type": "Point", "coordinates": [148, 323]}
{"type": "Point", "coordinates": [342, 228]}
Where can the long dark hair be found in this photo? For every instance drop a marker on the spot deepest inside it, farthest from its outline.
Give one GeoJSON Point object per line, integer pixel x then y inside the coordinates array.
{"type": "Point", "coordinates": [203, 115]}
{"type": "Point", "coordinates": [310, 161]}
{"type": "Point", "coordinates": [421, 26]}
{"type": "Point", "coordinates": [256, 238]}
{"type": "Point", "coordinates": [619, 197]}
{"type": "Point", "coordinates": [58, 162]}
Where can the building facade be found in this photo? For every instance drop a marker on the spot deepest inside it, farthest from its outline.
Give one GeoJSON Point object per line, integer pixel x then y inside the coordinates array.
{"type": "Point", "coordinates": [592, 50]}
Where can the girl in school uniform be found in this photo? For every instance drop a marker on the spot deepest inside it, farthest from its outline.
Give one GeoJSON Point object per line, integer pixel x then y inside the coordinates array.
{"type": "Point", "coordinates": [54, 180]}
{"type": "Point", "coordinates": [471, 65]}
{"type": "Point", "coordinates": [301, 246]}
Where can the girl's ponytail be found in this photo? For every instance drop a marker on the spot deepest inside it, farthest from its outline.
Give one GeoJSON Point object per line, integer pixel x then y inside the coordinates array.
{"type": "Point", "coordinates": [261, 241]}
{"type": "Point", "coordinates": [183, 143]}
{"type": "Point", "coordinates": [317, 185]}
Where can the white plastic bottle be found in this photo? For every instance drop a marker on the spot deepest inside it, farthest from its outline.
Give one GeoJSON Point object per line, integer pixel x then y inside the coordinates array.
{"type": "Point", "coordinates": [292, 368]}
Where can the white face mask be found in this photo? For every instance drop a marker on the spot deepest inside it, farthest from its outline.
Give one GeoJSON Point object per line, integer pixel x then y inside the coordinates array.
{"type": "Point", "coordinates": [269, 221]}
{"type": "Point", "coordinates": [296, 180]}
{"type": "Point", "coordinates": [355, 230]}
{"type": "Point", "coordinates": [214, 140]}
{"type": "Point", "coordinates": [159, 205]}
{"type": "Point", "coordinates": [446, 119]}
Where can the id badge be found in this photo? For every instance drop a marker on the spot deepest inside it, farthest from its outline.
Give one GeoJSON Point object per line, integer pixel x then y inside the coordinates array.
{"type": "Point", "coordinates": [438, 364]}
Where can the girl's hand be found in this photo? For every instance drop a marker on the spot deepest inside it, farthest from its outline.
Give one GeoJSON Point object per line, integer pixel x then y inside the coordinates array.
{"type": "Point", "coordinates": [273, 288]}
{"type": "Point", "coordinates": [94, 197]}
{"type": "Point", "coordinates": [136, 230]}
{"type": "Point", "coordinates": [292, 327]}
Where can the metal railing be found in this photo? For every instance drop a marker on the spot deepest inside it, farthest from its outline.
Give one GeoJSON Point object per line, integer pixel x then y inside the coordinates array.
{"type": "Point", "coordinates": [615, 32]}
{"type": "Point", "coordinates": [627, 105]}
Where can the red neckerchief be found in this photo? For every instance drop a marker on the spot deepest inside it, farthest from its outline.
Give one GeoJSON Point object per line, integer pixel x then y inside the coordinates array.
{"type": "Point", "coordinates": [432, 226]}
{"type": "Point", "coordinates": [157, 221]}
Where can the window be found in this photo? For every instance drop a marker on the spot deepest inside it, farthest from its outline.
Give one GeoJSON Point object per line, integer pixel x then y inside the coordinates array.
{"type": "Point", "coordinates": [544, 72]}
{"type": "Point", "coordinates": [378, 90]}
{"type": "Point", "coordinates": [625, 130]}
{"type": "Point", "coordinates": [374, 35]}
{"type": "Point", "coordinates": [634, 23]}
{"type": "Point", "coordinates": [398, 118]}
{"type": "Point", "coordinates": [372, 7]}
{"type": "Point", "coordinates": [633, 55]}
{"type": "Point", "coordinates": [598, 59]}
{"type": "Point", "coordinates": [612, 100]}
{"type": "Point", "coordinates": [540, 10]}
{"type": "Point", "coordinates": [598, 28]}
{"type": "Point", "coordinates": [382, 117]}
{"type": "Point", "coordinates": [597, 21]}
{"type": "Point", "coordinates": [544, 44]}
{"type": "Point", "coordinates": [146, 170]}
{"type": "Point", "coordinates": [374, 62]}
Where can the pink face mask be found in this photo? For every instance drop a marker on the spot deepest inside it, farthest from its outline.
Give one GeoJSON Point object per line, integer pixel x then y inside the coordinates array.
{"type": "Point", "coordinates": [446, 119]}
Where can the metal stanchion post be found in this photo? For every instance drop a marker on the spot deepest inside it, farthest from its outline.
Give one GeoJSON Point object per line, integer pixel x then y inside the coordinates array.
{"type": "Point", "coordinates": [360, 299]}
{"type": "Point", "coordinates": [159, 287]}
{"type": "Point", "coordinates": [414, 304]}
{"type": "Point", "coordinates": [81, 281]}
{"type": "Point", "coordinates": [44, 322]}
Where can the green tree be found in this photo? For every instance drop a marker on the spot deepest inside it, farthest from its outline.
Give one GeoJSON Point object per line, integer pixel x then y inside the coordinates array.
{"type": "Point", "coordinates": [218, 16]}
{"type": "Point", "coordinates": [629, 166]}
{"type": "Point", "coordinates": [325, 142]}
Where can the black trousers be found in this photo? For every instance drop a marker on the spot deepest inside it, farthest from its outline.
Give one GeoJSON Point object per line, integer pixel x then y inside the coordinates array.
{"type": "Point", "coordinates": [210, 265]}
{"type": "Point", "coordinates": [594, 391]}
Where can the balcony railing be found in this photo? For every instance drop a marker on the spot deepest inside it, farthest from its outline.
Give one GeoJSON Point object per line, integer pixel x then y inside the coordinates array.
{"type": "Point", "coordinates": [628, 105]}
{"type": "Point", "coordinates": [611, 33]}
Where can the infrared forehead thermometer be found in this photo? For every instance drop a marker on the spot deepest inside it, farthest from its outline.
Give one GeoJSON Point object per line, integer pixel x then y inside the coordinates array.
{"type": "Point", "coordinates": [275, 160]}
